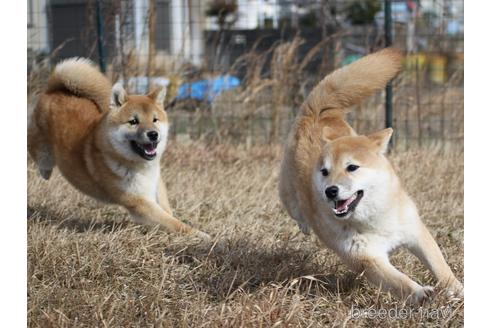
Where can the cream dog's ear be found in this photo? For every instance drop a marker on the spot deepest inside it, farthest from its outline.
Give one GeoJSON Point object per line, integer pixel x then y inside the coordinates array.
{"type": "Point", "coordinates": [381, 140]}
{"type": "Point", "coordinates": [118, 95]}
{"type": "Point", "coordinates": [327, 134]}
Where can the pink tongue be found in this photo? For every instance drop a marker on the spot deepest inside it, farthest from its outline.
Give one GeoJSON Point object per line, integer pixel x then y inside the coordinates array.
{"type": "Point", "coordinates": [149, 147]}
{"type": "Point", "coordinates": [341, 204]}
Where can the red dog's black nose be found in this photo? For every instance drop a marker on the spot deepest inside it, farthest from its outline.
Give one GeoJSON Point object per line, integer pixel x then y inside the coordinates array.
{"type": "Point", "coordinates": [331, 192]}
{"type": "Point", "coordinates": [153, 135]}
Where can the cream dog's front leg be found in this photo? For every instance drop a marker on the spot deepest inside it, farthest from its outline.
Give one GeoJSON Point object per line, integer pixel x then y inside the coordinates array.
{"type": "Point", "coordinates": [427, 250]}
{"type": "Point", "coordinates": [380, 272]}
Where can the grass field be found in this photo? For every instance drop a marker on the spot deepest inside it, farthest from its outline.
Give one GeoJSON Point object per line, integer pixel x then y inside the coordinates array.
{"type": "Point", "coordinates": [89, 266]}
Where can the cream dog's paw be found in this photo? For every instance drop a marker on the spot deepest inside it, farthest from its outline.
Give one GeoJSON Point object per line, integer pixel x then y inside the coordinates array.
{"type": "Point", "coordinates": [455, 292]}
{"type": "Point", "coordinates": [421, 295]}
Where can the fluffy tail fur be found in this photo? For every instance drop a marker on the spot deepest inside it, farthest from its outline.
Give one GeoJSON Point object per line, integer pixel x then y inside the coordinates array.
{"type": "Point", "coordinates": [82, 78]}
{"type": "Point", "coordinates": [351, 84]}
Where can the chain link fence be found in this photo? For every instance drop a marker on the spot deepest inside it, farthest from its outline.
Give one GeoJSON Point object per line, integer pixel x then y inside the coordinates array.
{"type": "Point", "coordinates": [237, 71]}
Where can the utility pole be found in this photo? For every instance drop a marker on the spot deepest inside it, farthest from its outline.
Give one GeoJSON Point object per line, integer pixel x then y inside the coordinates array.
{"type": "Point", "coordinates": [100, 36]}
{"type": "Point", "coordinates": [388, 40]}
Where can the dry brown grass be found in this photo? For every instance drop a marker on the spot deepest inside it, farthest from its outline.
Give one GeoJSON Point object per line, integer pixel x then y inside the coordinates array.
{"type": "Point", "coordinates": [89, 266]}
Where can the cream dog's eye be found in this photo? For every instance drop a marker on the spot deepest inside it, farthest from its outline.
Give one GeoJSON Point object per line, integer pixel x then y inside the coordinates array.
{"type": "Point", "coordinates": [133, 121]}
{"type": "Point", "coordinates": [155, 119]}
{"type": "Point", "coordinates": [352, 167]}
{"type": "Point", "coordinates": [324, 172]}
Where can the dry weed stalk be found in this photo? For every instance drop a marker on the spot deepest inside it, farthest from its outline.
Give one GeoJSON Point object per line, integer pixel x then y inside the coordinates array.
{"type": "Point", "coordinates": [274, 84]}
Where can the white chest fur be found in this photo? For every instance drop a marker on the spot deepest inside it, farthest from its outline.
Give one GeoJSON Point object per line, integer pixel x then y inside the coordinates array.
{"type": "Point", "coordinates": [142, 181]}
{"type": "Point", "coordinates": [349, 238]}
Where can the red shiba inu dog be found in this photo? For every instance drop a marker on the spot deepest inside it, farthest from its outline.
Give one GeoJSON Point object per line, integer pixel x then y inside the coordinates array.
{"type": "Point", "coordinates": [341, 185]}
{"type": "Point", "coordinates": [106, 143]}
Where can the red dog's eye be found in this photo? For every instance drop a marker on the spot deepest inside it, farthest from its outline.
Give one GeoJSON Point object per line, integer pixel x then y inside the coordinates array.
{"type": "Point", "coordinates": [352, 167]}
{"type": "Point", "coordinates": [133, 121]}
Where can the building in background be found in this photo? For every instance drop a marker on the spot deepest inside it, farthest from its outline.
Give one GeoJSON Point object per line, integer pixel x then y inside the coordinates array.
{"type": "Point", "coordinates": [69, 28]}
{"type": "Point", "coordinates": [37, 31]}
{"type": "Point", "coordinates": [250, 15]}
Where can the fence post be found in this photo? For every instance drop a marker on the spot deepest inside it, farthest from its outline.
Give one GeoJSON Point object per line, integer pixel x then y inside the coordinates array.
{"type": "Point", "coordinates": [388, 40]}
{"type": "Point", "coordinates": [100, 35]}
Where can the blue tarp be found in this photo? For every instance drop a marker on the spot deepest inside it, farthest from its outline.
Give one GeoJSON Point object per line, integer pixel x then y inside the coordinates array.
{"type": "Point", "coordinates": [207, 90]}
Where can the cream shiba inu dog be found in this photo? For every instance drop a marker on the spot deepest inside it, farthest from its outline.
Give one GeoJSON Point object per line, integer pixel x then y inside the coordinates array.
{"type": "Point", "coordinates": [106, 143]}
{"type": "Point", "coordinates": [341, 185]}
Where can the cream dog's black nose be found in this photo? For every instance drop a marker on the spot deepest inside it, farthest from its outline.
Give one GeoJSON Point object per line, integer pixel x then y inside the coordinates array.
{"type": "Point", "coordinates": [152, 135]}
{"type": "Point", "coordinates": [331, 192]}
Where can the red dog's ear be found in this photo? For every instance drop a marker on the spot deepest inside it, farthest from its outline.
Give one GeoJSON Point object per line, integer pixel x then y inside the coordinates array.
{"type": "Point", "coordinates": [158, 95]}
{"type": "Point", "coordinates": [118, 95]}
{"type": "Point", "coordinates": [381, 139]}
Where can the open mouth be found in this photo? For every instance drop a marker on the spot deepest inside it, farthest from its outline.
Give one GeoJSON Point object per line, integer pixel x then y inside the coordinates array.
{"type": "Point", "coordinates": [146, 150]}
{"type": "Point", "coordinates": [344, 206]}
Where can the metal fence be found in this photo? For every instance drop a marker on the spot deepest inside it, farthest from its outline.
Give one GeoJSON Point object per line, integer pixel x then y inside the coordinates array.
{"type": "Point", "coordinates": [276, 50]}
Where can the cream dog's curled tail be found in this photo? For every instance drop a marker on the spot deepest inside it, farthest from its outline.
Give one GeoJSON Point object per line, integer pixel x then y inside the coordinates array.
{"type": "Point", "coordinates": [351, 84]}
